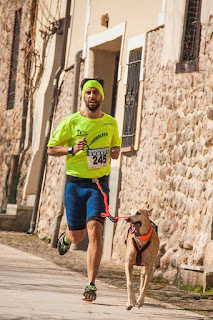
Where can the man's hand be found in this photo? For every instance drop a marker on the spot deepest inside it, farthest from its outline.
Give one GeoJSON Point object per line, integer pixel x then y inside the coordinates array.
{"type": "Point", "coordinates": [80, 145]}
{"type": "Point", "coordinates": [115, 152]}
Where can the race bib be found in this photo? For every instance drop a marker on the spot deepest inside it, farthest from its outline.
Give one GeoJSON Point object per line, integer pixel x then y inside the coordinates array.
{"type": "Point", "coordinates": [97, 158]}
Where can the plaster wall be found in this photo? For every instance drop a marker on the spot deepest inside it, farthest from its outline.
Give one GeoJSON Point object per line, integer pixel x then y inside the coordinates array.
{"type": "Point", "coordinates": [48, 44]}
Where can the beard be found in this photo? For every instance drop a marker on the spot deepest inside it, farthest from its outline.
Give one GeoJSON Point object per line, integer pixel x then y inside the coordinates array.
{"type": "Point", "coordinates": [93, 108]}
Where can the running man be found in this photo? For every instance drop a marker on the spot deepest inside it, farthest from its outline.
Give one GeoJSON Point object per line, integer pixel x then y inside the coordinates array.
{"type": "Point", "coordinates": [89, 139]}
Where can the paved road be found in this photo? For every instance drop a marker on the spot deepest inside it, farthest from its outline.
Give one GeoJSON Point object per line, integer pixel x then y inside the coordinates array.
{"type": "Point", "coordinates": [32, 288]}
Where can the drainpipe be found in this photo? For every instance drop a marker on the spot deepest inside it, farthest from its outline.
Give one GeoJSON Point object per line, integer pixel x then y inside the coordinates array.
{"type": "Point", "coordinates": [74, 104]}
{"type": "Point", "coordinates": [49, 121]}
{"type": "Point", "coordinates": [78, 60]}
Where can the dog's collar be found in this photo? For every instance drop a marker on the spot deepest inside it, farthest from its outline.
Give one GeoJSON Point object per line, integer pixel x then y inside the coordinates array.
{"type": "Point", "coordinates": [146, 236]}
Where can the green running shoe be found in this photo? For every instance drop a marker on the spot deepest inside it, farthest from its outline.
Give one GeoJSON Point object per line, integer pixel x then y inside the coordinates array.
{"type": "Point", "coordinates": [62, 247]}
{"type": "Point", "coordinates": [90, 292]}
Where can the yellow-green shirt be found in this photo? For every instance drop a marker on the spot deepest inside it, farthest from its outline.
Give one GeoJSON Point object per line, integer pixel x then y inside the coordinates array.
{"type": "Point", "coordinates": [101, 135]}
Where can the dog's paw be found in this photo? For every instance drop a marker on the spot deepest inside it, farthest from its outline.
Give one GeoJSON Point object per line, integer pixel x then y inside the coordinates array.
{"type": "Point", "coordinates": [131, 304]}
{"type": "Point", "coordinates": [140, 304]}
{"type": "Point", "coordinates": [129, 307]}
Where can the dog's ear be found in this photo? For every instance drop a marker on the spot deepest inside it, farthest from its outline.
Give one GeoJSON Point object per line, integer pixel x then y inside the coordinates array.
{"type": "Point", "coordinates": [133, 211]}
{"type": "Point", "coordinates": [149, 211]}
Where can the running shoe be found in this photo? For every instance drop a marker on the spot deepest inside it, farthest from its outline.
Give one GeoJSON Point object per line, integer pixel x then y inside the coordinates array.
{"type": "Point", "coordinates": [62, 247]}
{"type": "Point", "coordinates": [90, 292]}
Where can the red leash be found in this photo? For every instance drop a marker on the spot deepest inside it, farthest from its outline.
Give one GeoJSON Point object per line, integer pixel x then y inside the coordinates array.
{"type": "Point", "coordinates": [107, 214]}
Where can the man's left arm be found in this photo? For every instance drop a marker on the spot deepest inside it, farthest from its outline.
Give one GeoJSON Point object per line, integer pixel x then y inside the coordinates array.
{"type": "Point", "coordinates": [114, 152]}
{"type": "Point", "coordinates": [116, 143]}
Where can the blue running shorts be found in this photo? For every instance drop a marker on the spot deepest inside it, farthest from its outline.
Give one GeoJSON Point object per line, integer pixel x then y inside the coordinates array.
{"type": "Point", "coordinates": [84, 202]}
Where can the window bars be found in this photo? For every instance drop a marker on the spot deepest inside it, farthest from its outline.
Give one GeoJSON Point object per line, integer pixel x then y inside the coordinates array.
{"type": "Point", "coordinates": [131, 98]}
{"type": "Point", "coordinates": [191, 38]}
{"type": "Point", "coordinates": [14, 60]}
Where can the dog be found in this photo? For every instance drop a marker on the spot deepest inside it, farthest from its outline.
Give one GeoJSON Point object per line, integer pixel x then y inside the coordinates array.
{"type": "Point", "coordinates": [142, 249]}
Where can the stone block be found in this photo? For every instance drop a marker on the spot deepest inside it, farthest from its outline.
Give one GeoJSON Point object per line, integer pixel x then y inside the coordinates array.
{"type": "Point", "coordinates": [208, 255]}
{"type": "Point", "coordinates": [210, 113]}
{"type": "Point", "coordinates": [191, 277]}
{"type": "Point", "coordinates": [208, 279]}
{"type": "Point", "coordinates": [30, 200]}
{"type": "Point", "coordinates": [187, 245]}
{"type": "Point", "coordinates": [194, 275]}
{"type": "Point", "coordinates": [19, 222]}
{"type": "Point", "coordinates": [11, 209]}
{"type": "Point", "coordinates": [166, 259]}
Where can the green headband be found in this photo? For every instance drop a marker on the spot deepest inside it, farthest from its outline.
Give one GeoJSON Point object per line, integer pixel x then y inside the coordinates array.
{"type": "Point", "coordinates": [93, 84]}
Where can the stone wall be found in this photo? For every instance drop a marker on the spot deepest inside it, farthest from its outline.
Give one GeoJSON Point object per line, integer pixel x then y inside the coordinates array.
{"type": "Point", "coordinates": [172, 170]}
{"type": "Point", "coordinates": [55, 170]}
{"type": "Point", "coordinates": [11, 120]}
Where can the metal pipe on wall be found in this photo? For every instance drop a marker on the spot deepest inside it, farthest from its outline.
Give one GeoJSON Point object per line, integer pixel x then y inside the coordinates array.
{"type": "Point", "coordinates": [78, 60]}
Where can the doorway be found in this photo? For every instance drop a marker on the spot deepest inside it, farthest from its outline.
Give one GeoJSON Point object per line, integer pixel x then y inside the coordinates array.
{"type": "Point", "coordinates": [106, 67]}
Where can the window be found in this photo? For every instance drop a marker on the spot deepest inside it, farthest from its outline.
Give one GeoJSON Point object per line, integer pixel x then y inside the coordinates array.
{"type": "Point", "coordinates": [191, 38]}
{"type": "Point", "coordinates": [131, 98]}
{"type": "Point", "coordinates": [14, 61]}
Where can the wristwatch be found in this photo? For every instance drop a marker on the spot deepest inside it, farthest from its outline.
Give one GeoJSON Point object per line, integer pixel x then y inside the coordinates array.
{"type": "Point", "coordinates": [70, 150]}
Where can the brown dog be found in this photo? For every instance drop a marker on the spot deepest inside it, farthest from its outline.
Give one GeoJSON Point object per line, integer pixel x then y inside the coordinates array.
{"type": "Point", "coordinates": [142, 249]}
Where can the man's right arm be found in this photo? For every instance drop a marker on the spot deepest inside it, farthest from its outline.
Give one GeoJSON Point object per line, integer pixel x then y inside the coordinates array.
{"type": "Point", "coordinates": [57, 151]}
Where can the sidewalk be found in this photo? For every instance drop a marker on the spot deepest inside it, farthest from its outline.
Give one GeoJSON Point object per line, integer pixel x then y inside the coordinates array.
{"type": "Point", "coordinates": [32, 288]}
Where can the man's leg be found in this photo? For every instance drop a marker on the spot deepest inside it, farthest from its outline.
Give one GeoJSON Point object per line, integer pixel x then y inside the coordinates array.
{"type": "Point", "coordinates": [95, 249]}
{"type": "Point", "coordinates": [75, 236]}
{"type": "Point", "coordinates": [75, 203]}
{"type": "Point", "coordinates": [95, 205]}
{"type": "Point", "coordinates": [94, 253]}
{"type": "Point", "coordinates": [68, 237]}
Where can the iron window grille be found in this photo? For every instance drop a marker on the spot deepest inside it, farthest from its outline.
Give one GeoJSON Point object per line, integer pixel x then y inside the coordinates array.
{"type": "Point", "coordinates": [131, 98]}
{"type": "Point", "coordinates": [191, 38]}
{"type": "Point", "coordinates": [14, 60]}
